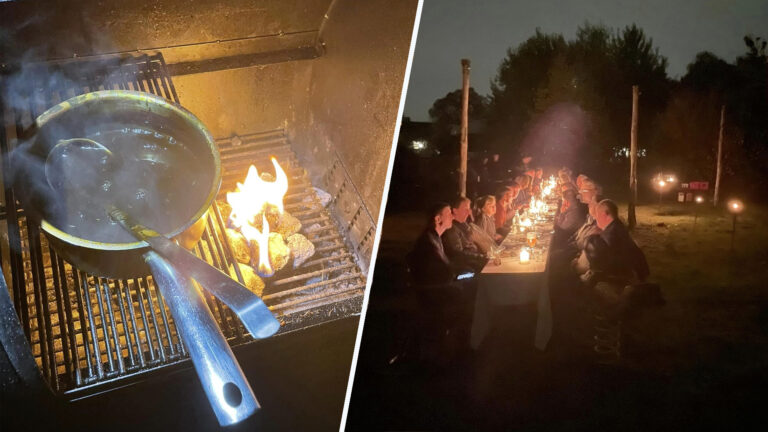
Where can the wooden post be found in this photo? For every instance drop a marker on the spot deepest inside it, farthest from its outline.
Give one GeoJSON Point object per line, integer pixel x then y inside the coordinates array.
{"type": "Point", "coordinates": [464, 127]}
{"type": "Point", "coordinates": [631, 218]}
{"type": "Point", "coordinates": [719, 156]}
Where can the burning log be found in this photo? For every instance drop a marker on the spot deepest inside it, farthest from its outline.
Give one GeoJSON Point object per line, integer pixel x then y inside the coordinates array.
{"type": "Point", "coordinates": [251, 280]}
{"type": "Point", "coordinates": [301, 248]}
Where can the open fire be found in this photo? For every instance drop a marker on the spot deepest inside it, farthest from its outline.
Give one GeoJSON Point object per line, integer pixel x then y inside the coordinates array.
{"type": "Point", "coordinates": [263, 235]}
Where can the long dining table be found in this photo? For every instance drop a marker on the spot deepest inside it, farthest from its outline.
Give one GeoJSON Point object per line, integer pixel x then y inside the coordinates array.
{"type": "Point", "coordinates": [511, 282]}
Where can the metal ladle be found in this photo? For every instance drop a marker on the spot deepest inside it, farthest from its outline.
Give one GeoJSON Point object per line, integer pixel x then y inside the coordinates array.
{"type": "Point", "coordinates": [78, 165]}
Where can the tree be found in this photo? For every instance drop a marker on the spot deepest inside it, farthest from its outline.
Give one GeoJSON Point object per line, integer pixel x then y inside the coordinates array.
{"type": "Point", "coordinates": [513, 92]}
{"type": "Point", "coordinates": [445, 114]}
{"type": "Point", "coordinates": [592, 74]}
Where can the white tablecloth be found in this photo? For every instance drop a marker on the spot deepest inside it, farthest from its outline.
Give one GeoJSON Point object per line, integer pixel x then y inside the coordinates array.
{"type": "Point", "coordinates": [512, 283]}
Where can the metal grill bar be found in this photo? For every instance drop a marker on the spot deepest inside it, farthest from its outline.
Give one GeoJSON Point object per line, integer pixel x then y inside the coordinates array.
{"type": "Point", "coordinates": [86, 330]}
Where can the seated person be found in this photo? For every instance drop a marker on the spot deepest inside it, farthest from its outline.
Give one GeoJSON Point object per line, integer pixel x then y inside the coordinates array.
{"type": "Point", "coordinates": [613, 255]}
{"type": "Point", "coordinates": [523, 199]}
{"type": "Point", "coordinates": [446, 302]}
{"type": "Point", "coordinates": [568, 253]}
{"type": "Point", "coordinates": [571, 215]}
{"type": "Point", "coordinates": [511, 209]}
{"type": "Point", "coordinates": [485, 217]}
{"type": "Point", "coordinates": [504, 197]}
{"type": "Point", "coordinates": [428, 263]}
{"type": "Point", "coordinates": [459, 247]}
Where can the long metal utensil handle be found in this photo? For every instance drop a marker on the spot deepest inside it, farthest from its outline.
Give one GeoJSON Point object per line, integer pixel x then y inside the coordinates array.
{"type": "Point", "coordinates": [255, 315]}
{"type": "Point", "coordinates": [224, 383]}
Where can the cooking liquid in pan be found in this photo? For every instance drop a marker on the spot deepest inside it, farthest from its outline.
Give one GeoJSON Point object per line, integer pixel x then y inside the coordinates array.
{"type": "Point", "coordinates": [149, 175]}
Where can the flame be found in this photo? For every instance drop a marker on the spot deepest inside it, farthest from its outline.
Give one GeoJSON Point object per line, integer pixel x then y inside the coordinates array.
{"type": "Point", "coordinates": [251, 198]}
{"type": "Point", "coordinates": [262, 238]}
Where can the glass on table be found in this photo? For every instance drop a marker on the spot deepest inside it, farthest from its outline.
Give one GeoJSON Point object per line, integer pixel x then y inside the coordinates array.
{"type": "Point", "coordinates": [530, 238]}
{"type": "Point", "coordinates": [494, 254]}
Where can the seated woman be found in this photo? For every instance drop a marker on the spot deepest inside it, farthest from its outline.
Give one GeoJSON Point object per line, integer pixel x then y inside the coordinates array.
{"type": "Point", "coordinates": [504, 197]}
{"type": "Point", "coordinates": [485, 207]}
{"type": "Point", "coordinates": [570, 217]}
{"type": "Point", "coordinates": [523, 198]}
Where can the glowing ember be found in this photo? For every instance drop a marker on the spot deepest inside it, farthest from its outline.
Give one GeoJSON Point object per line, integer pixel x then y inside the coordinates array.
{"type": "Point", "coordinates": [252, 199]}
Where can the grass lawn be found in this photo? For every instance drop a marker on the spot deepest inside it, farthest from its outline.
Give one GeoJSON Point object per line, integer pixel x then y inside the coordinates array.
{"type": "Point", "coordinates": [717, 298]}
{"type": "Point", "coordinates": [699, 360]}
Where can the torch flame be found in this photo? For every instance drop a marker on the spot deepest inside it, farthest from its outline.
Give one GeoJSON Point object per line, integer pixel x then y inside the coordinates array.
{"type": "Point", "coordinates": [251, 199]}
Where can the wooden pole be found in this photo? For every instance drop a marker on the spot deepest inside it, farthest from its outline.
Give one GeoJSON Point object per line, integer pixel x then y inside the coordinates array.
{"type": "Point", "coordinates": [719, 156]}
{"type": "Point", "coordinates": [631, 218]}
{"type": "Point", "coordinates": [464, 127]}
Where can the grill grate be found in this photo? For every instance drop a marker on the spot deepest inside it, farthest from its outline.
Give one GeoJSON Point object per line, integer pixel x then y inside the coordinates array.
{"type": "Point", "coordinates": [86, 331]}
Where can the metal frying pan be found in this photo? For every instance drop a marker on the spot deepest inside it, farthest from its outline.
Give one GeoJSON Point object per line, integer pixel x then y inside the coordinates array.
{"type": "Point", "coordinates": [165, 172]}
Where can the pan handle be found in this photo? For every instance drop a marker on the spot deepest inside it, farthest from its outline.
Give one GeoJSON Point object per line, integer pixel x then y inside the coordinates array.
{"type": "Point", "coordinates": [224, 383]}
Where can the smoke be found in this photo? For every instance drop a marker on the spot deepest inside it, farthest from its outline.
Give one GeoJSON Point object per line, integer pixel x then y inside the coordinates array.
{"type": "Point", "coordinates": [557, 135]}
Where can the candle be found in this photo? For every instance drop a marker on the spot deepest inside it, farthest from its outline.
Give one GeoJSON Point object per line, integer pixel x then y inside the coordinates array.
{"type": "Point", "coordinates": [525, 256]}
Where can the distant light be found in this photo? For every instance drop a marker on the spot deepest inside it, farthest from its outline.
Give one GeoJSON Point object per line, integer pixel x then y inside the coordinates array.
{"type": "Point", "coordinates": [699, 200]}
{"type": "Point", "coordinates": [671, 179]}
{"type": "Point", "coordinates": [662, 183]}
{"type": "Point", "coordinates": [735, 206]}
{"type": "Point", "coordinates": [418, 144]}
{"type": "Point", "coordinates": [619, 152]}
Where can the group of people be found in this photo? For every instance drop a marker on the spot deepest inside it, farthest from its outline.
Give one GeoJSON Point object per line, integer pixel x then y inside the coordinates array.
{"type": "Point", "coordinates": [474, 226]}
{"type": "Point", "coordinates": [591, 246]}
{"type": "Point", "coordinates": [460, 235]}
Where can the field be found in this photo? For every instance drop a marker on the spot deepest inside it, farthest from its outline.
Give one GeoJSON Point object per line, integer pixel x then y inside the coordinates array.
{"type": "Point", "coordinates": [700, 360]}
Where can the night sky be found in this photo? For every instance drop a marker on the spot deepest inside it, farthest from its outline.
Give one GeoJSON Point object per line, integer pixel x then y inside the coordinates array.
{"type": "Point", "coordinates": [483, 30]}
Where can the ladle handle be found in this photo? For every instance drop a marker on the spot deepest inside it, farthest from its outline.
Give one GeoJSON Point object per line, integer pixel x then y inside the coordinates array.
{"type": "Point", "coordinates": [224, 383]}
{"type": "Point", "coordinates": [254, 314]}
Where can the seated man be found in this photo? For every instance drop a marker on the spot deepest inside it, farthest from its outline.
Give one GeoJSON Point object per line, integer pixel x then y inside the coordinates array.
{"type": "Point", "coordinates": [427, 262]}
{"type": "Point", "coordinates": [613, 255]}
{"type": "Point", "coordinates": [459, 247]}
{"type": "Point", "coordinates": [445, 303]}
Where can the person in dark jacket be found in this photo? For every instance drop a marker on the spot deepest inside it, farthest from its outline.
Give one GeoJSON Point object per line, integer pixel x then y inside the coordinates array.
{"type": "Point", "coordinates": [456, 240]}
{"type": "Point", "coordinates": [613, 252]}
{"type": "Point", "coordinates": [428, 262]}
